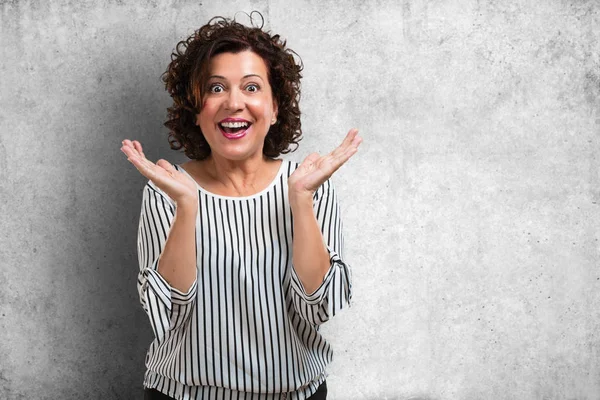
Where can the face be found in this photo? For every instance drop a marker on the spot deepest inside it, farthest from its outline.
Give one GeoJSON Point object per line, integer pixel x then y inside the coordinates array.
{"type": "Point", "coordinates": [238, 107]}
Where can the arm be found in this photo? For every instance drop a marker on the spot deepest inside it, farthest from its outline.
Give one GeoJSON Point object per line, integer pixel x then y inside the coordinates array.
{"type": "Point", "coordinates": [310, 256]}
{"type": "Point", "coordinates": [167, 258]}
{"type": "Point", "coordinates": [317, 266]}
{"type": "Point", "coordinates": [166, 241]}
{"type": "Point", "coordinates": [331, 285]}
{"type": "Point", "coordinates": [177, 262]}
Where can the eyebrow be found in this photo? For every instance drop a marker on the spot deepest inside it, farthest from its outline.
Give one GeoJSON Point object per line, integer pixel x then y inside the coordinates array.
{"type": "Point", "coordinates": [244, 77]}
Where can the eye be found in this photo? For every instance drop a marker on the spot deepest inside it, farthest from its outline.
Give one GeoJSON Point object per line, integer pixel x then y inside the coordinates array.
{"type": "Point", "coordinates": [216, 88]}
{"type": "Point", "coordinates": [252, 87]}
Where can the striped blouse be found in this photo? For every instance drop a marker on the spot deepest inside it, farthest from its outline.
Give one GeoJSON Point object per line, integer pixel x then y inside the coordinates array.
{"type": "Point", "coordinates": [246, 329]}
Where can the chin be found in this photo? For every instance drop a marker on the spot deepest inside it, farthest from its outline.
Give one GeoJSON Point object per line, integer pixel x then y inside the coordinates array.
{"type": "Point", "coordinates": [238, 154]}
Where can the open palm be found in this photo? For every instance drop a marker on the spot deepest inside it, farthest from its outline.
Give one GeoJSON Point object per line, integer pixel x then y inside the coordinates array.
{"type": "Point", "coordinates": [316, 169]}
{"type": "Point", "coordinates": [175, 184]}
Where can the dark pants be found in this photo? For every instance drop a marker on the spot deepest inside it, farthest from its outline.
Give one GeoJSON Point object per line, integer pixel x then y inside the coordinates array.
{"type": "Point", "coordinates": [153, 394]}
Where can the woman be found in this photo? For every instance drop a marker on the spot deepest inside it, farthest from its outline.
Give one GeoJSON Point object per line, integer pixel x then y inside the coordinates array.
{"type": "Point", "coordinates": [239, 251]}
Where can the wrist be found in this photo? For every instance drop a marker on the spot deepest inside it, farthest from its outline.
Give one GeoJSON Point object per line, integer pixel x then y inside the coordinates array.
{"type": "Point", "coordinates": [187, 206]}
{"type": "Point", "coordinates": [300, 200]}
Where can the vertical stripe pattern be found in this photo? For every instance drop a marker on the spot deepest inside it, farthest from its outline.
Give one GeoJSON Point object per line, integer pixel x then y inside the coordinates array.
{"type": "Point", "coordinates": [246, 329]}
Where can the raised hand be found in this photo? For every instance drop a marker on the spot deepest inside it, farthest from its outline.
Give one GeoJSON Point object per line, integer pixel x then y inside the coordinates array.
{"type": "Point", "coordinates": [316, 169]}
{"type": "Point", "coordinates": [176, 184]}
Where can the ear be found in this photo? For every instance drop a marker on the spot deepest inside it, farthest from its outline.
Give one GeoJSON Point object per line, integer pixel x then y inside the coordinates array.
{"type": "Point", "coordinates": [275, 112]}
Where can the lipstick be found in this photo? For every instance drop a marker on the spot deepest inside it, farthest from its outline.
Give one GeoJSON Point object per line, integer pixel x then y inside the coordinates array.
{"type": "Point", "coordinates": [234, 128]}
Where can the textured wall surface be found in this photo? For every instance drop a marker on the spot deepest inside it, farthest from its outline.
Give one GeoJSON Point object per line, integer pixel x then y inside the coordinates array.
{"type": "Point", "coordinates": [472, 210]}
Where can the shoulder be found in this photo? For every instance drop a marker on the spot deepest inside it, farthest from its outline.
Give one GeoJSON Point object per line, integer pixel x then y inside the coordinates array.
{"type": "Point", "coordinates": [325, 190]}
{"type": "Point", "coordinates": [289, 167]}
{"type": "Point", "coordinates": [151, 191]}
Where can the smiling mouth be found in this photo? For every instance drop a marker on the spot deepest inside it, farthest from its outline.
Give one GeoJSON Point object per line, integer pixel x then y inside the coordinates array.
{"type": "Point", "coordinates": [234, 130]}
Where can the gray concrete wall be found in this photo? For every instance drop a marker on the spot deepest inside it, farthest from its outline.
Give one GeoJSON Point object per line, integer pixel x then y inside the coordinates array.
{"type": "Point", "coordinates": [471, 211]}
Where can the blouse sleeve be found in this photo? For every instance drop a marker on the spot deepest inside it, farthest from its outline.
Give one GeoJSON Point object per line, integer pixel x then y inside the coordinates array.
{"type": "Point", "coordinates": [335, 292]}
{"type": "Point", "coordinates": [166, 307]}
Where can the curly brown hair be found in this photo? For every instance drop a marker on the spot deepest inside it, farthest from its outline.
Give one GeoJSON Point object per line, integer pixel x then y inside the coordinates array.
{"type": "Point", "coordinates": [185, 80]}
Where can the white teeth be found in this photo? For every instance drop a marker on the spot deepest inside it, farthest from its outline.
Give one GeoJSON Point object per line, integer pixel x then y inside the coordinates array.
{"type": "Point", "coordinates": [234, 124]}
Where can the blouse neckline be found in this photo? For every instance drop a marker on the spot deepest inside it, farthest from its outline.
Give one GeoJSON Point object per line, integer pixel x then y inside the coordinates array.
{"type": "Point", "coordinates": [249, 197]}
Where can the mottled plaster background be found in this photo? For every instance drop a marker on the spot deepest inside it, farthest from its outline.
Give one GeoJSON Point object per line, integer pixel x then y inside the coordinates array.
{"type": "Point", "coordinates": [472, 210]}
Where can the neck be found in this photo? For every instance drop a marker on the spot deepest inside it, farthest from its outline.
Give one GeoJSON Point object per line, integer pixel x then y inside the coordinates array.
{"type": "Point", "coordinates": [242, 177]}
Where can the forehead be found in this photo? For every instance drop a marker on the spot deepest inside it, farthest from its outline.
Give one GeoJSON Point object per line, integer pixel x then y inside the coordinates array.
{"type": "Point", "coordinates": [238, 65]}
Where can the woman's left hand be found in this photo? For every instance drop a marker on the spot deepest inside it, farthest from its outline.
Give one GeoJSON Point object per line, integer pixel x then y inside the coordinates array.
{"type": "Point", "coordinates": [316, 169]}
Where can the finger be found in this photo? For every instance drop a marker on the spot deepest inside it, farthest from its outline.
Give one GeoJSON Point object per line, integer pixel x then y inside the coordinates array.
{"type": "Point", "coordinates": [132, 154]}
{"type": "Point", "coordinates": [352, 133]}
{"type": "Point", "coordinates": [343, 156]}
{"type": "Point", "coordinates": [150, 166]}
{"type": "Point", "coordinates": [128, 151]}
{"type": "Point", "coordinates": [356, 141]}
{"type": "Point", "coordinates": [142, 167]}
{"type": "Point", "coordinates": [352, 150]}
{"type": "Point", "coordinates": [167, 166]}
{"type": "Point", "coordinates": [139, 161]}
{"type": "Point", "coordinates": [128, 148]}
{"type": "Point", "coordinates": [350, 136]}
{"type": "Point", "coordinates": [127, 143]}
{"type": "Point", "coordinates": [134, 151]}
{"type": "Point", "coordinates": [337, 162]}
{"type": "Point", "coordinates": [150, 170]}
{"type": "Point", "coordinates": [353, 147]}
{"type": "Point", "coordinates": [135, 147]}
{"type": "Point", "coordinates": [138, 146]}
{"type": "Point", "coordinates": [142, 164]}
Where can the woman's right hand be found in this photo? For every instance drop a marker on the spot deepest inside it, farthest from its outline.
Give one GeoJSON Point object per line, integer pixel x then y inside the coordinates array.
{"type": "Point", "coordinates": [177, 185]}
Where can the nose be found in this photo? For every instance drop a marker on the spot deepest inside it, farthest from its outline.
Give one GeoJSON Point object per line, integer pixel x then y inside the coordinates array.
{"type": "Point", "coordinates": [234, 100]}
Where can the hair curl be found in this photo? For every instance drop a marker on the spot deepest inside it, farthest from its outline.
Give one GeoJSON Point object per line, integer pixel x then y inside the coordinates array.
{"type": "Point", "coordinates": [186, 75]}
